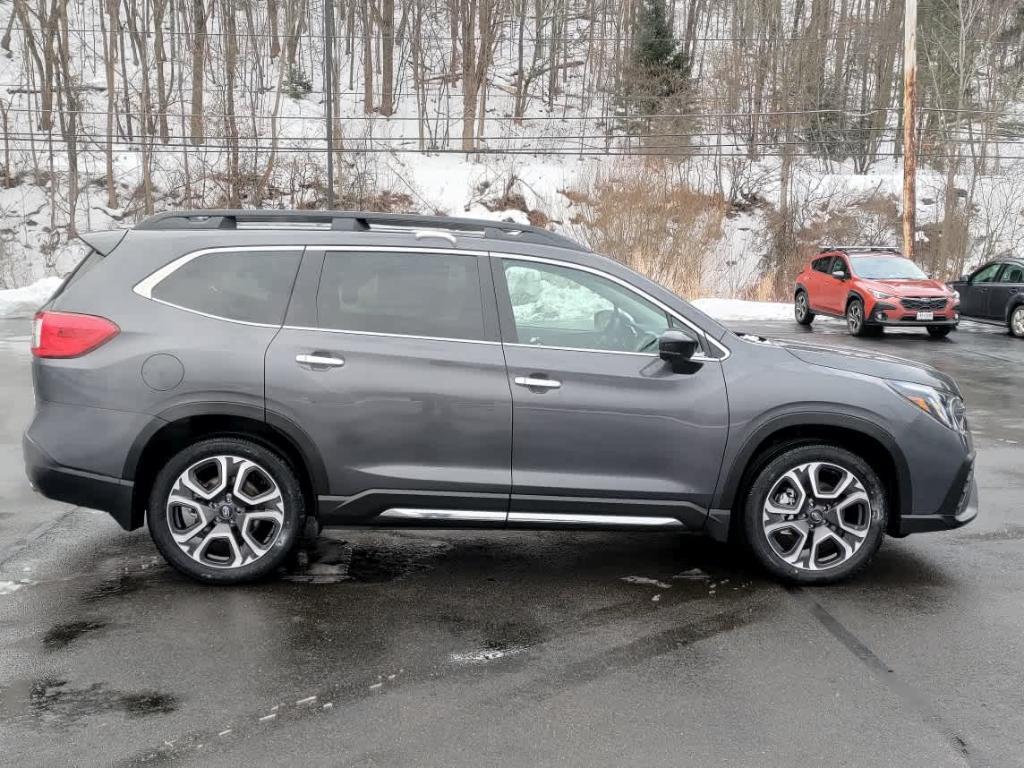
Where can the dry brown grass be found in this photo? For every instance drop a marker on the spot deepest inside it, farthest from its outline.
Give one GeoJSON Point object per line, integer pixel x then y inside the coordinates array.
{"type": "Point", "coordinates": [648, 220]}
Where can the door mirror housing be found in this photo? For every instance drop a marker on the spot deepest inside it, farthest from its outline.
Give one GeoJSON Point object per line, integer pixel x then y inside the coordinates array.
{"type": "Point", "coordinates": [839, 274]}
{"type": "Point", "coordinates": [677, 348]}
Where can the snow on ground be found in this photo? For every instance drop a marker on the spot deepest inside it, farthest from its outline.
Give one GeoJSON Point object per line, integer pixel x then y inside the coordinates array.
{"type": "Point", "coordinates": [23, 302]}
{"type": "Point", "coordinates": [736, 309]}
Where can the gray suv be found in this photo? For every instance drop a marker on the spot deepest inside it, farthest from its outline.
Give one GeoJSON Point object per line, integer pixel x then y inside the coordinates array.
{"type": "Point", "coordinates": [234, 379]}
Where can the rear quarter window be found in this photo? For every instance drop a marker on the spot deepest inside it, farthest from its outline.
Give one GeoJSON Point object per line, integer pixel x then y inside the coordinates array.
{"type": "Point", "coordinates": [251, 286]}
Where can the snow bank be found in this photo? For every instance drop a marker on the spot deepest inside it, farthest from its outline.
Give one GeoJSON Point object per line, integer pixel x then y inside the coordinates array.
{"type": "Point", "coordinates": [736, 309]}
{"type": "Point", "coordinates": [22, 302]}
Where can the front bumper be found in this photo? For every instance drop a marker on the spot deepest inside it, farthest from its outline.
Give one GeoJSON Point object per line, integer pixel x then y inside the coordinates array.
{"type": "Point", "coordinates": [958, 509]}
{"type": "Point", "coordinates": [892, 316]}
{"type": "Point", "coordinates": [74, 486]}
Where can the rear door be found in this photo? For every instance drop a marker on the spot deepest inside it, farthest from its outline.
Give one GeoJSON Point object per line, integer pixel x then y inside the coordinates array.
{"type": "Point", "coordinates": [604, 432]}
{"type": "Point", "coordinates": [833, 294]}
{"type": "Point", "coordinates": [1010, 283]}
{"type": "Point", "coordinates": [390, 361]}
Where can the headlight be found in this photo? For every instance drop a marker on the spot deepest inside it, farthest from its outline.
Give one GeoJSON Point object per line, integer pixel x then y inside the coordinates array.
{"type": "Point", "coordinates": [943, 406]}
{"type": "Point", "coordinates": [881, 295]}
{"type": "Point", "coordinates": [956, 295]}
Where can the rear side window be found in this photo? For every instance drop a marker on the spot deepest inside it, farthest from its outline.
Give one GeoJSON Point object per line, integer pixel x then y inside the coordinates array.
{"type": "Point", "coordinates": [822, 265]}
{"type": "Point", "coordinates": [252, 286]}
{"type": "Point", "coordinates": [413, 294]}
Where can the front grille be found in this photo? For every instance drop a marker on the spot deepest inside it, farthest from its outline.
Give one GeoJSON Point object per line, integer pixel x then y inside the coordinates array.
{"type": "Point", "coordinates": [922, 303]}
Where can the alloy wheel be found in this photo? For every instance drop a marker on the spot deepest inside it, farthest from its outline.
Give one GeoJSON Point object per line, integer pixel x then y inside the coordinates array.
{"type": "Point", "coordinates": [801, 307]}
{"type": "Point", "coordinates": [855, 317]}
{"type": "Point", "coordinates": [225, 511]}
{"type": "Point", "coordinates": [816, 516]}
{"type": "Point", "coordinates": [1017, 321]}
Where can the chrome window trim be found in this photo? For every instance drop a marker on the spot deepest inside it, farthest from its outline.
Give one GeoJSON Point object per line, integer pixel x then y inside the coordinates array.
{"type": "Point", "coordinates": [388, 335]}
{"type": "Point", "coordinates": [145, 286]}
{"type": "Point", "coordinates": [600, 273]}
{"type": "Point", "coordinates": [398, 248]}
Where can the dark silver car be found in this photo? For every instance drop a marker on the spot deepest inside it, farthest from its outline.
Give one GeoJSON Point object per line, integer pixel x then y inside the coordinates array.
{"type": "Point", "coordinates": [234, 378]}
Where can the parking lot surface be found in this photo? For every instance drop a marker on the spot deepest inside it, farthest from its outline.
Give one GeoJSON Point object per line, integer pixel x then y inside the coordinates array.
{"type": "Point", "coordinates": [522, 648]}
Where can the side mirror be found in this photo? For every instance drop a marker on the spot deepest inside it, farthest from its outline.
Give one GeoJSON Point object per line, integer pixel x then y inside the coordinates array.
{"type": "Point", "coordinates": [965, 278]}
{"type": "Point", "coordinates": [839, 274]}
{"type": "Point", "coordinates": [677, 348]}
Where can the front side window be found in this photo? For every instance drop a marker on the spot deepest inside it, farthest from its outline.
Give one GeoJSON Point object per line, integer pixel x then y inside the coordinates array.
{"type": "Point", "coordinates": [555, 306]}
{"type": "Point", "coordinates": [251, 286]}
{"type": "Point", "coordinates": [986, 274]}
{"type": "Point", "coordinates": [408, 294]}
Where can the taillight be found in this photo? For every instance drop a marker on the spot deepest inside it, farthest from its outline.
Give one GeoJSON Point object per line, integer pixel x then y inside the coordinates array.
{"type": "Point", "coordinates": [67, 334]}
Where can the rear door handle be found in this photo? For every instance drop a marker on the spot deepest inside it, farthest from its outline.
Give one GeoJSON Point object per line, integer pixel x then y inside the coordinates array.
{"type": "Point", "coordinates": [319, 361]}
{"type": "Point", "coordinates": [537, 382]}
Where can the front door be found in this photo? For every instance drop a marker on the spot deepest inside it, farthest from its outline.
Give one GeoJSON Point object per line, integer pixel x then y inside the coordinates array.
{"type": "Point", "coordinates": [604, 432]}
{"type": "Point", "coordinates": [390, 361]}
{"type": "Point", "coordinates": [974, 300]}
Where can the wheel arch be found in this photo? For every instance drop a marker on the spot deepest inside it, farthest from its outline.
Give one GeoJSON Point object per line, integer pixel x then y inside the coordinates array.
{"type": "Point", "coordinates": [183, 425]}
{"type": "Point", "coordinates": [868, 440]}
{"type": "Point", "coordinates": [855, 294]}
{"type": "Point", "coordinates": [1014, 301]}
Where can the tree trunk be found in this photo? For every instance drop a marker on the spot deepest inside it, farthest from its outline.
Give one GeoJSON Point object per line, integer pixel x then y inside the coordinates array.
{"type": "Point", "coordinates": [200, 14]}
{"type": "Point", "coordinates": [387, 74]}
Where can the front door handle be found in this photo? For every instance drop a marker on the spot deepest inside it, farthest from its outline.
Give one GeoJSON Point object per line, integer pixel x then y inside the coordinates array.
{"type": "Point", "coordinates": [319, 361]}
{"type": "Point", "coordinates": [537, 382]}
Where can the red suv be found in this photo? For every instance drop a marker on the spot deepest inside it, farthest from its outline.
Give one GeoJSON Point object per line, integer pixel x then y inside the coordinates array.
{"type": "Point", "coordinates": [873, 288]}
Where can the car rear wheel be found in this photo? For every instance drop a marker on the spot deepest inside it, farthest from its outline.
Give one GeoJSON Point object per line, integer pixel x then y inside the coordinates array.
{"type": "Point", "coordinates": [802, 310]}
{"type": "Point", "coordinates": [226, 511]}
{"type": "Point", "coordinates": [1016, 323]}
{"type": "Point", "coordinates": [855, 318]}
{"type": "Point", "coordinates": [815, 514]}
{"type": "Point", "coordinates": [939, 331]}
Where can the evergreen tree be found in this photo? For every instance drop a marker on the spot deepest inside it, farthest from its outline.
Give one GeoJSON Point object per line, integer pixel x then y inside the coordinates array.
{"type": "Point", "coordinates": [657, 80]}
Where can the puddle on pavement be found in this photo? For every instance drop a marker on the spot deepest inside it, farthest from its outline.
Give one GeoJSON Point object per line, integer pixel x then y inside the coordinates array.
{"type": "Point", "coordinates": [55, 701]}
{"type": "Point", "coordinates": [62, 635]}
{"type": "Point", "coordinates": [330, 560]}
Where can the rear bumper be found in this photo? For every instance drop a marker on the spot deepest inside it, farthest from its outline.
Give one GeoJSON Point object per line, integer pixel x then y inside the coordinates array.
{"type": "Point", "coordinates": [958, 509]}
{"type": "Point", "coordinates": [74, 486]}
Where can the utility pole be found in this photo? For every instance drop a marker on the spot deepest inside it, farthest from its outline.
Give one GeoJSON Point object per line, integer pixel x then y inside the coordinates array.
{"type": "Point", "coordinates": [909, 126]}
{"type": "Point", "coordinates": [329, 95]}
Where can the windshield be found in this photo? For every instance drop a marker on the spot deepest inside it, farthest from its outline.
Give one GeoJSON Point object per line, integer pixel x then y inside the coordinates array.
{"type": "Point", "coordinates": [886, 268]}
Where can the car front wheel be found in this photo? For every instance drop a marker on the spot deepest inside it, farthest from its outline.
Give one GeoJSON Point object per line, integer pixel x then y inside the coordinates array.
{"type": "Point", "coordinates": [226, 511]}
{"type": "Point", "coordinates": [855, 318]}
{"type": "Point", "coordinates": [815, 514]}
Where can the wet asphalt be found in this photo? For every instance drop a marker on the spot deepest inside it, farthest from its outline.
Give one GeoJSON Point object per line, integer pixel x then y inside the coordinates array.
{"type": "Point", "coordinates": [520, 648]}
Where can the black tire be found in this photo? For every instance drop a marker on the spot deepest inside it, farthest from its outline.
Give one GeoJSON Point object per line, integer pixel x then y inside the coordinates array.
{"type": "Point", "coordinates": [755, 517]}
{"type": "Point", "coordinates": [1015, 322]}
{"type": "Point", "coordinates": [802, 309]}
{"type": "Point", "coordinates": [855, 323]}
{"type": "Point", "coordinates": [939, 331]}
{"type": "Point", "coordinates": [281, 539]}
